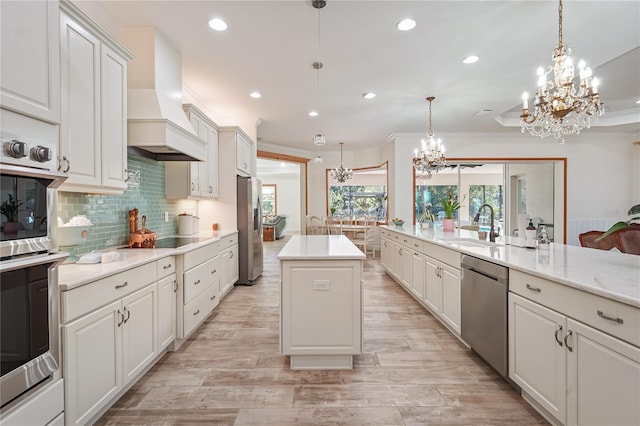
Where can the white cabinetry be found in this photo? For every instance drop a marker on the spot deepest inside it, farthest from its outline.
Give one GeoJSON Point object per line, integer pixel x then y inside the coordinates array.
{"type": "Point", "coordinates": [109, 338]}
{"type": "Point", "coordinates": [93, 144]}
{"type": "Point", "coordinates": [30, 66]}
{"type": "Point", "coordinates": [167, 290]}
{"type": "Point", "coordinates": [199, 281]}
{"type": "Point", "coordinates": [196, 179]}
{"type": "Point", "coordinates": [244, 155]}
{"type": "Point", "coordinates": [579, 363]}
{"type": "Point", "coordinates": [430, 273]}
{"type": "Point", "coordinates": [229, 267]}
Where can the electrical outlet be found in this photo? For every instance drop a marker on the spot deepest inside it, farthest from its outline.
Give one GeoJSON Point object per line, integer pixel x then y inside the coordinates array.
{"type": "Point", "coordinates": [166, 216]}
{"type": "Point", "coordinates": [321, 285]}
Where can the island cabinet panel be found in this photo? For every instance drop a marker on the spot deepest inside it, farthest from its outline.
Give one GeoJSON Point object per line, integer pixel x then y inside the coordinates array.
{"type": "Point", "coordinates": [321, 313]}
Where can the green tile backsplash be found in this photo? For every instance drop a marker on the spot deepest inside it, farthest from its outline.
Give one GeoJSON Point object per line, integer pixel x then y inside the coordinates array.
{"type": "Point", "coordinates": [109, 214]}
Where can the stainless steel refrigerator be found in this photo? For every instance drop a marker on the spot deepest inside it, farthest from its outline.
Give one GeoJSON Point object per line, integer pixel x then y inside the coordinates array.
{"type": "Point", "coordinates": [250, 229]}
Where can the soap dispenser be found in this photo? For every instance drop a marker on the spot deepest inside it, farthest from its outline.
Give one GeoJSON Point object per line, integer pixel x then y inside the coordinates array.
{"type": "Point", "coordinates": [530, 235]}
{"type": "Point", "coordinates": [543, 239]}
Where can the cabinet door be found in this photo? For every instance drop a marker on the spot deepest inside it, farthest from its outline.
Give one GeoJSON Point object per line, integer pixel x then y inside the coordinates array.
{"type": "Point", "coordinates": [386, 254]}
{"type": "Point", "coordinates": [243, 155]}
{"type": "Point", "coordinates": [113, 129]}
{"type": "Point", "coordinates": [407, 270]}
{"type": "Point", "coordinates": [433, 286]}
{"type": "Point", "coordinates": [80, 128]}
{"type": "Point", "coordinates": [203, 166]}
{"type": "Point", "coordinates": [139, 331]}
{"type": "Point", "coordinates": [229, 267]}
{"type": "Point", "coordinates": [398, 253]}
{"type": "Point", "coordinates": [603, 377]}
{"type": "Point", "coordinates": [234, 267]}
{"type": "Point", "coordinates": [451, 297]}
{"type": "Point", "coordinates": [194, 166]}
{"type": "Point", "coordinates": [167, 289]}
{"type": "Point", "coordinates": [537, 359]}
{"type": "Point", "coordinates": [30, 66]}
{"type": "Point", "coordinates": [417, 275]}
{"type": "Point", "coordinates": [92, 363]}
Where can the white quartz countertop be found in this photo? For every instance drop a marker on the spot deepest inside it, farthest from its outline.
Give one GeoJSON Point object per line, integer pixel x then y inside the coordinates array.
{"type": "Point", "coordinates": [72, 275]}
{"type": "Point", "coordinates": [315, 247]}
{"type": "Point", "coordinates": [609, 274]}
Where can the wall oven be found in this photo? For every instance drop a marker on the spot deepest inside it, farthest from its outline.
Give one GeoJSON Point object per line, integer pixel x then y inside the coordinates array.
{"type": "Point", "coordinates": [29, 325]}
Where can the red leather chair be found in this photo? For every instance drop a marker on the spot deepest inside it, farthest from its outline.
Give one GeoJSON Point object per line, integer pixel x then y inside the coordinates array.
{"type": "Point", "coordinates": [628, 239]}
{"type": "Point", "coordinates": [588, 239]}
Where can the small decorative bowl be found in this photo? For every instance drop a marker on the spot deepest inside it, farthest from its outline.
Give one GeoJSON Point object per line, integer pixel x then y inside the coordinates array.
{"type": "Point", "coordinates": [398, 222]}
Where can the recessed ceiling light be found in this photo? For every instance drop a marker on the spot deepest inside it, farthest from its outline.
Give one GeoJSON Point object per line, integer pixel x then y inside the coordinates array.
{"type": "Point", "coordinates": [472, 59]}
{"type": "Point", "coordinates": [255, 95]}
{"type": "Point", "coordinates": [218, 24]}
{"type": "Point", "coordinates": [313, 113]}
{"type": "Point", "coordinates": [369, 95]}
{"type": "Point", "coordinates": [406, 24]}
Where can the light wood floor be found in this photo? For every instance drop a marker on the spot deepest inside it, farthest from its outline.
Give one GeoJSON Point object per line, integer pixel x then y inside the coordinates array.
{"type": "Point", "coordinates": [412, 371]}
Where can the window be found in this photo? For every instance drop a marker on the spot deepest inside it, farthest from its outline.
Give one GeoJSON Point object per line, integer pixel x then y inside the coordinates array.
{"type": "Point", "coordinates": [486, 194]}
{"type": "Point", "coordinates": [357, 200]}
{"type": "Point", "coordinates": [269, 200]}
{"type": "Point", "coordinates": [429, 197]}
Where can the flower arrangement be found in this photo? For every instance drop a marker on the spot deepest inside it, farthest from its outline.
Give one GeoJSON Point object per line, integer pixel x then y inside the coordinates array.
{"type": "Point", "coordinates": [9, 208]}
{"type": "Point", "coordinates": [451, 204]}
{"type": "Point", "coordinates": [428, 216]}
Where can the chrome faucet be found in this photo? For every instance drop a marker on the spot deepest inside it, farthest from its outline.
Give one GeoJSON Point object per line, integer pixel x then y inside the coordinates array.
{"type": "Point", "coordinates": [476, 218]}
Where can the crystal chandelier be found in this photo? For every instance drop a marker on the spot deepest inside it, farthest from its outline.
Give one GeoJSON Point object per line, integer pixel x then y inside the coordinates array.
{"type": "Point", "coordinates": [431, 159]}
{"type": "Point", "coordinates": [341, 174]}
{"type": "Point", "coordinates": [561, 108]}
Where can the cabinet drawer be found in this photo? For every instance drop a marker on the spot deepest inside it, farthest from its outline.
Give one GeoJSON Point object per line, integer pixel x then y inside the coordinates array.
{"type": "Point", "coordinates": [199, 308]}
{"type": "Point", "coordinates": [445, 255]}
{"type": "Point", "coordinates": [197, 279]}
{"type": "Point", "coordinates": [166, 266]}
{"type": "Point", "coordinates": [612, 317]}
{"type": "Point", "coordinates": [89, 297]}
{"type": "Point", "coordinates": [201, 255]}
{"type": "Point", "coordinates": [228, 241]}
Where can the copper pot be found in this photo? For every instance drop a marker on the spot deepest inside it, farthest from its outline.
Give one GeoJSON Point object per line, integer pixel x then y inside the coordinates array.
{"type": "Point", "coordinates": [140, 238]}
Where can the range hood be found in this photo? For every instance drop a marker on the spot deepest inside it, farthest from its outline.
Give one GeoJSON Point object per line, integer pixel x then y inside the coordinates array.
{"type": "Point", "coordinates": [157, 127]}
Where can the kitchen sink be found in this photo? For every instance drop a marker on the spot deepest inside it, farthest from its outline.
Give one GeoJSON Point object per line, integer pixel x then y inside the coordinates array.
{"type": "Point", "coordinates": [472, 242]}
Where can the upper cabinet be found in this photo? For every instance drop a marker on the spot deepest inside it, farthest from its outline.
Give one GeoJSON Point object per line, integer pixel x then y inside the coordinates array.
{"type": "Point", "coordinates": [195, 179]}
{"type": "Point", "coordinates": [30, 66]}
{"type": "Point", "coordinates": [93, 130]}
{"type": "Point", "coordinates": [244, 155]}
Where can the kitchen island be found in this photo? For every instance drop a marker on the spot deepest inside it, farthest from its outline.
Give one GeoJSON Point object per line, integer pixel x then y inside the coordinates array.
{"type": "Point", "coordinates": [321, 302]}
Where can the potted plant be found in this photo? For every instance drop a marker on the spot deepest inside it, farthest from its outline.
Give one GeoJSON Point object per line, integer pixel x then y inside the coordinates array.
{"type": "Point", "coordinates": [9, 208]}
{"type": "Point", "coordinates": [450, 205]}
{"type": "Point", "coordinates": [427, 216]}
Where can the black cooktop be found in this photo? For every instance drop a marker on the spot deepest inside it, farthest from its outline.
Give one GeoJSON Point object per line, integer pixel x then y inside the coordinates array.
{"type": "Point", "coordinates": [175, 242]}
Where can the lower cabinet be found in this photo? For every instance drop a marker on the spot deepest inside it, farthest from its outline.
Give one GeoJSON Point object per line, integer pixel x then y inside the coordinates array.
{"type": "Point", "coordinates": [430, 273]}
{"type": "Point", "coordinates": [574, 372]}
{"type": "Point", "coordinates": [229, 266]}
{"type": "Point", "coordinates": [105, 349]}
{"type": "Point", "coordinates": [167, 289]}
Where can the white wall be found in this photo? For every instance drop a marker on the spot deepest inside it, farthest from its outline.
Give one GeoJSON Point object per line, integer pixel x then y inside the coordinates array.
{"type": "Point", "coordinates": [288, 198]}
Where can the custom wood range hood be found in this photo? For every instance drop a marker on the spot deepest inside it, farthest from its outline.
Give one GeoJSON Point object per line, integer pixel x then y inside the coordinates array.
{"type": "Point", "coordinates": [158, 128]}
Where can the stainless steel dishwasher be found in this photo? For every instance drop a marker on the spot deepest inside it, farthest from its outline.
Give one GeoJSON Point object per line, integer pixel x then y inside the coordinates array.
{"type": "Point", "coordinates": [483, 323]}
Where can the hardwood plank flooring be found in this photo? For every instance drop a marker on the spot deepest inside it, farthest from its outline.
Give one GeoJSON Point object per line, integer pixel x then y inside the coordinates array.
{"type": "Point", "coordinates": [412, 371]}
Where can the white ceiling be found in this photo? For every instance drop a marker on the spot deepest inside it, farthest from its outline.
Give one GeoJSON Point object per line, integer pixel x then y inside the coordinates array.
{"type": "Point", "coordinates": [270, 46]}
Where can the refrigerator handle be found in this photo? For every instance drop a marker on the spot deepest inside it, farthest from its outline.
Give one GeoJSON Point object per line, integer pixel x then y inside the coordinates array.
{"type": "Point", "coordinates": [257, 221]}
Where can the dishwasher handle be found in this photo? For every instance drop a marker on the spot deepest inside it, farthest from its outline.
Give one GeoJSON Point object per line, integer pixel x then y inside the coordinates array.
{"type": "Point", "coordinates": [490, 270]}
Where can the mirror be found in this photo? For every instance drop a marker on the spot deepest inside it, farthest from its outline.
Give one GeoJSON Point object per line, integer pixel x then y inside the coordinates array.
{"type": "Point", "coordinates": [517, 189]}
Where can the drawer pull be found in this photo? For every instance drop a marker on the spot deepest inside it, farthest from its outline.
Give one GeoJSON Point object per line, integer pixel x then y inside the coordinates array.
{"type": "Point", "coordinates": [416, 245]}
{"type": "Point", "coordinates": [213, 298]}
{"type": "Point", "coordinates": [175, 286]}
{"type": "Point", "coordinates": [566, 338]}
{"type": "Point", "coordinates": [558, 330]}
{"type": "Point", "coordinates": [196, 312]}
{"type": "Point", "coordinates": [608, 318]}
{"type": "Point", "coordinates": [121, 318]}
{"type": "Point", "coordinates": [167, 266]}
{"type": "Point", "coordinates": [128, 314]}
{"type": "Point", "coordinates": [534, 289]}
{"type": "Point", "coordinates": [196, 282]}
{"type": "Point", "coordinates": [214, 271]}
{"type": "Point", "coordinates": [231, 255]}
{"type": "Point", "coordinates": [126, 283]}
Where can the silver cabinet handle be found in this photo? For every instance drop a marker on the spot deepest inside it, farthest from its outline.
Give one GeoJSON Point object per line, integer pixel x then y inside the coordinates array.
{"type": "Point", "coordinates": [175, 286]}
{"type": "Point", "coordinates": [213, 298]}
{"type": "Point", "coordinates": [68, 164]}
{"type": "Point", "coordinates": [128, 314]}
{"type": "Point", "coordinates": [121, 318]}
{"type": "Point", "coordinates": [566, 340]}
{"type": "Point", "coordinates": [210, 189]}
{"type": "Point", "coordinates": [416, 245]}
{"type": "Point", "coordinates": [59, 163]}
{"type": "Point", "coordinates": [196, 282]}
{"type": "Point", "coordinates": [214, 271]}
{"type": "Point", "coordinates": [534, 289]}
{"type": "Point", "coordinates": [126, 283]}
{"type": "Point", "coordinates": [608, 318]}
{"type": "Point", "coordinates": [193, 186]}
{"type": "Point", "coordinates": [167, 266]}
{"type": "Point", "coordinates": [231, 256]}
{"type": "Point", "coordinates": [196, 312]}
{"type": "Point", "coordinates": [126, 173]}
{"type": "Point", "coordinates": [558, 330]}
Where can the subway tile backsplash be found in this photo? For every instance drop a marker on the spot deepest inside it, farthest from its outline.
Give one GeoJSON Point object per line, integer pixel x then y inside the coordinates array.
{"type": "Point", "coordinates": [109, 214]}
